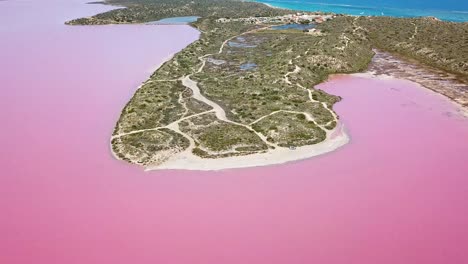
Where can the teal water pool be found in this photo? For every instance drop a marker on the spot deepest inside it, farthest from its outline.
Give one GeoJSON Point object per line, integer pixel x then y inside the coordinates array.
{"type": "Point", "coordinates": [175, 20]}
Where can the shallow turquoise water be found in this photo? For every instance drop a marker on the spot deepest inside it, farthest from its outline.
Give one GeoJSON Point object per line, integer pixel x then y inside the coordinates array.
{"type": "Point", "coordinates": [449, 10]}
{"type": "Point", "coordinates": [175, 20]}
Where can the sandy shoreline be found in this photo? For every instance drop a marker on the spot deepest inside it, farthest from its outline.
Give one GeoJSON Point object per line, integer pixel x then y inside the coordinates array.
{"type": "Point", "coordinates": [187, 161]}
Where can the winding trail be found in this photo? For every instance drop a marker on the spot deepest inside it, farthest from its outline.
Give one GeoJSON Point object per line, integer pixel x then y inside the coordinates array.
{"type": "Point", "coordinates": [286, 76]}
{"type": "Point", "coordinates": [307, 115]}
{"type": "Point", "coordinates": [286, 79]}
{"type": "Point", "coordinates": [415, 31]}
{"type": "Point", "coordinates": [192, 85]}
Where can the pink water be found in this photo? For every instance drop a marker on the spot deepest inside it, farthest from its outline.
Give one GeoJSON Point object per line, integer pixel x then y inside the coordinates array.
{"type": "Point", "coordinates": [396, 194]}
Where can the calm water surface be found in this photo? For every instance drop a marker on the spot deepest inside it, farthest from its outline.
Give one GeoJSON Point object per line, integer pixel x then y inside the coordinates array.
{"type": "Point", "coordinates": [396, 194]}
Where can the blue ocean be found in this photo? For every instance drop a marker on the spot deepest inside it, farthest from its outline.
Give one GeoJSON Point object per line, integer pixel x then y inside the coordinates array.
{"type": "Point", "coordinates": [450, 10]}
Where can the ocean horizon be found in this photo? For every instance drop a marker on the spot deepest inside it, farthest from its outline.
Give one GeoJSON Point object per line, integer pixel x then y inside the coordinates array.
{"type": "Point", "coordinates": [450, 10]}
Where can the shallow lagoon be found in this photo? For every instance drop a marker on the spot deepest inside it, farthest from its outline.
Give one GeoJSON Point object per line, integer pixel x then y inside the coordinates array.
{"type": "Point", "coordinates": [396, 194]}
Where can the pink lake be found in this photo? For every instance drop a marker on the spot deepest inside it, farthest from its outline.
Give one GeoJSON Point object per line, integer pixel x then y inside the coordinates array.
{"type": "Point", "coordinates": [397, 194]}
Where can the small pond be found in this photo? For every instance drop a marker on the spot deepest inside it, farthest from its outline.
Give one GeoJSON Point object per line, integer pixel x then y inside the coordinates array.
{"type": "Point", "coordinates": [248, 66]}
{"type": "Point", "coordinates": [293, 26]}
{"type": "Point", "coordinates": [175, 20]}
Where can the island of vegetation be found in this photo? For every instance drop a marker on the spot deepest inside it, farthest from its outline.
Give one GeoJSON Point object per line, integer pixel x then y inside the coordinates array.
{"type": "Point", "coordinates": [244, 92]}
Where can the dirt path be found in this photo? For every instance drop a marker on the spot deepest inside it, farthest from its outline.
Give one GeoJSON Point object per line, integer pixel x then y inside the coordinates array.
{"type": "Point", "coordinates": [157, 128]}
{"type": "Point", "coordinates": [415, 31]}
{"type": "Point", "coordinates": [309, 92]}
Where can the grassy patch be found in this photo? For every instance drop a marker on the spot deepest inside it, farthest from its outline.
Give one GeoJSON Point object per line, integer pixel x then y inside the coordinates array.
{"type": "Point", "coordinates": [290, 130]}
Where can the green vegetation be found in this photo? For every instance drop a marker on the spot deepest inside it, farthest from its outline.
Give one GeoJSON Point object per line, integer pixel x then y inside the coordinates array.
{"type": "Point", "coordinates": [215, 138]}
{"type": "Point", "coordinates": [157, 104]}
{"type": "Point", "coordinates": [290, 130]}
{"type": "Point", "coordinates": [140, 147]}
